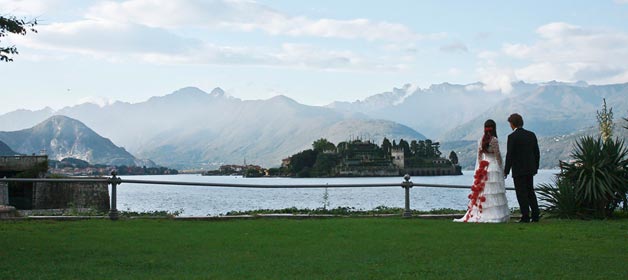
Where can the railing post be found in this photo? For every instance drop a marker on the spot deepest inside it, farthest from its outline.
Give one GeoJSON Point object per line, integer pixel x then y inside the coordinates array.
{"type": "Point", "coordinates": [114, 181]}
{"type": "Point", "coordinates": [407, 185]}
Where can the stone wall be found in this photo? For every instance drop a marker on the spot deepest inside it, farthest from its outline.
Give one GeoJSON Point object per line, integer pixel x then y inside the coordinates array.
{"type": "Point", "coordinates": [433, 171]}
{"type": "Point", "coordinates": [20, 163]}
{"type": "Point", "coordinates": [71, 195]}
{"type": "Point", "coordinates": [367, 172]}
{"type": "Point", "coordinates": [4, 194]}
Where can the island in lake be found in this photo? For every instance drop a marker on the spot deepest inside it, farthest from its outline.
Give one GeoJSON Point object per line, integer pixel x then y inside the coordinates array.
{"type": "Point", "coordinates": [358, 158]}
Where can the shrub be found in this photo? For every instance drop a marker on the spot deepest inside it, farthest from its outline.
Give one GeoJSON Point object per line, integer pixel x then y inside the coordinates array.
{"type": "Point", "coordinates": [593, 183]}
{"type": "Point", "coordinates": [560, 199]}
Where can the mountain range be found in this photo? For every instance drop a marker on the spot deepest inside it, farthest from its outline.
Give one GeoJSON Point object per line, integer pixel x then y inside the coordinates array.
{"type": "Point", "coordinates": [453, 114]}
{"type": "Point", "coordinates": [190, 128]}
{"type": "Point", "coordinates": [62, 137]}
{"type": "Point", "coordinates": [5, 150]}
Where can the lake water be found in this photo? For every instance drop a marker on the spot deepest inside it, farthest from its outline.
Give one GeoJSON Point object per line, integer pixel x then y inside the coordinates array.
{"type": "Point", "coordinates": [212, 201]}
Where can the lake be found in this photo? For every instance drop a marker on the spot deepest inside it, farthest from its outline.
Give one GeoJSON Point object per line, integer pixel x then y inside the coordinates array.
{"type": "Point", "coordinates": [213, 201]}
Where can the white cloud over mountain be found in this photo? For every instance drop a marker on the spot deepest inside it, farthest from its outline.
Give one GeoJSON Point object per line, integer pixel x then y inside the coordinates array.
{"type": "Point", "coordinates": [570, 53]}
{"type": "Point", "coordinates": [563, 52]}
{"type": "Point", "coordinates": [29, 8]}
{"type": "Point", "coordinates": [246, 16]}
{"type": "Point", "coordinates": [313, 50]}
{"type": "Point", "coordinates": [180, 32]}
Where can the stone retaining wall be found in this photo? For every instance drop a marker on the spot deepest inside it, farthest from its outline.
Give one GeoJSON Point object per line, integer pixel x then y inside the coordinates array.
{"type": "Point", "coordinates": [71, 195]}
{"type": "Point", "coordinates": [4, 194]}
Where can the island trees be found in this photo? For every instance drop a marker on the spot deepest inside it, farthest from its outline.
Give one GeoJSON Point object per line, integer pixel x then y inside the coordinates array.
{"type": "Point", "coordinates": [453, 157]}
{"type": "Point", "coordinates": [13, 25]}
{"type": "Point", "coordinates": [326, 159]}
{"type": "Point", "coordinates": [322, 145]}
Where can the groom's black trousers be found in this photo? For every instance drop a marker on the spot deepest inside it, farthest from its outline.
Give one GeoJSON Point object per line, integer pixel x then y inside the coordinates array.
{"type": "Point", "coordinates": [524, 187]}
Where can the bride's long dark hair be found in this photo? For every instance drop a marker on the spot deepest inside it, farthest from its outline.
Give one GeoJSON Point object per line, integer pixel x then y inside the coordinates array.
{"type": "Point", "coordinates": [490, 131]}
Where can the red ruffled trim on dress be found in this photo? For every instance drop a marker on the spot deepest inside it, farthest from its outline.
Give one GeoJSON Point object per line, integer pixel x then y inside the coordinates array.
{"type": "Point", "coordinates": [475, 199]}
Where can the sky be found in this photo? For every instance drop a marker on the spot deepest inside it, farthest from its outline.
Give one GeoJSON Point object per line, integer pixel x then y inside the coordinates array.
{"type": "Point", "coordinates": [314, 52]}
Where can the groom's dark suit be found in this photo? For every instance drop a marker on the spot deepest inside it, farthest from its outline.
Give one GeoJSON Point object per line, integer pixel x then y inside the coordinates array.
{"type": "Point", "coordinates": [523, 157]}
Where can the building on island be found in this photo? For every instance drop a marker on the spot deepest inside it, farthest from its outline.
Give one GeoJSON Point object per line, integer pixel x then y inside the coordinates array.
{"type": "Point", "coordinates": [365, 158]}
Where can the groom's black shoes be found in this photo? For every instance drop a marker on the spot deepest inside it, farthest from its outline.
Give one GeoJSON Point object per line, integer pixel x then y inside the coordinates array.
{"type": "Point", "coordinates": [524, 221]}
{"type": "Point", "coordinates": [536, 220]}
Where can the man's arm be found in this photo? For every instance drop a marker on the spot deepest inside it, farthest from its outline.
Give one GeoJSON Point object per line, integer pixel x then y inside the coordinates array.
{"type": "Point", "coordinates": [537, 153]}
{"type": "Point", "coordinates": [509, 147]}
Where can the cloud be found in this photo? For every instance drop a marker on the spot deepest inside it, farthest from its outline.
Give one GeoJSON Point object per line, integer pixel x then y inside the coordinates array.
{"type": "Point", "coordinates": [496, 79]}
{"type": "Point", "coordinates": [492, 76]}
{"type": "Point", "coordinates": [104, 37]}
{"type": "Point", "coordinates": [454, 47]}
{"type": "Point", "coordinates": [562, 52]}
{"type": "Point", "coordinates": [177, 32]}
{"type": "Point", "coordinates": [303, 56]}
{"type": "Point", "coordinates": [247, 16]}
{"type": "Point", "coordinates": [97, 100]}
{"type": "Point", "coordinates": [122, 41]}
{"type": "Point", "coordinates": [29, 8]}
{"type": "Point", "coordinates": [569, 52]}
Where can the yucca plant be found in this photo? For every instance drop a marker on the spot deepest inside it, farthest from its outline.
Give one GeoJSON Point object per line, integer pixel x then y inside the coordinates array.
{"type": "Point", "coordinates": [597, 173]}
{"type": "Point", "coordinates": [560, 199]}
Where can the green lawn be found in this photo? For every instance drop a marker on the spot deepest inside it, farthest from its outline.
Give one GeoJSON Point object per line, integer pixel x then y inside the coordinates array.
{"type": "Point", "coordinates": [338, 248]}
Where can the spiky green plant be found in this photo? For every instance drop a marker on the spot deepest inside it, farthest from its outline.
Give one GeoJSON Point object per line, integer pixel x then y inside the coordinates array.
{"type": "Point", "coordinates": [560, 199]}
{"type": "Point", "coordinates": [597, 173]}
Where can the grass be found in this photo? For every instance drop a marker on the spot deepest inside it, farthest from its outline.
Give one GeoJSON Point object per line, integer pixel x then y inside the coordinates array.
{"type": "Point", "coordinates": [345, 211]}
{"type": "Point", "coordinates": [337, 248]}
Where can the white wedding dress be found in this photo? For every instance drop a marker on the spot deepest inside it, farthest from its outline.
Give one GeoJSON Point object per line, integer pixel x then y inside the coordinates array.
{"type": "Point", "coordinates": [487, 201]}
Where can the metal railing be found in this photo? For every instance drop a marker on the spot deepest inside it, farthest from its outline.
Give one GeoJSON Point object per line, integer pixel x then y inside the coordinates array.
{"type": "Point", "coordinates": [114, 181]}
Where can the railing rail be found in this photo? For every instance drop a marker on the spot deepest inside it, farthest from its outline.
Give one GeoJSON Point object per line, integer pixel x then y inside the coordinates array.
{"type": "Point", "coordinates": [114, 181]}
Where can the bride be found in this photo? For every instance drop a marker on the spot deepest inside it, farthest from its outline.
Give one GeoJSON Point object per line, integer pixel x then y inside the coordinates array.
{"type": "Point", "coordinates": [487, 201]}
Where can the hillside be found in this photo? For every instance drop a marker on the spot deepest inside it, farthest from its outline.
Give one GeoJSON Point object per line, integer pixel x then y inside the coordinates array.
{"type": "Point", "coordinates": [5, 150]}
{"type": "Point", "coordinates": [553, 148]}
{"type": "Point", "coordinates": [63, 137]}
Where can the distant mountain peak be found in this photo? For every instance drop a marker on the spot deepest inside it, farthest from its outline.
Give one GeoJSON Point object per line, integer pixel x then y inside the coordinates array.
{"type": "Point", "coordinates": [186, 93]}
{"type": "Point", "coordinates": [218, 92]}
{"type": "Point", "coordinates": [283, 99]}
{"type": "Point", "coordinates": [443, 86]}
{"type": "Point", "coordinates": [61, 122]}
{"type": "Point", "coordinates": [61, 137]}
{"type": "Point", "coordinates": [559, 83]}
{"type": "Point", "coordinates": [189, 91]}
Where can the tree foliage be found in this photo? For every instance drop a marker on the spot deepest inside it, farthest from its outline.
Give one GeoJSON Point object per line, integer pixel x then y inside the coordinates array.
{"type": "Point", "coordinates": [13, 25]}
{"type": "Point", "coordinates": [322, 144]}
{"type": "Point", "coordinates": [403, 144]}
{"type": "Point", "coordinates": [325, 158]}
{"type": "Point", "coordinates": [324, 165]}
{"type": "Point", "coordinates": [386, 146]}
{"type": "Point", "coordinates": [303, 161]}
{"type": "Point", "coordinates": [453, 157]}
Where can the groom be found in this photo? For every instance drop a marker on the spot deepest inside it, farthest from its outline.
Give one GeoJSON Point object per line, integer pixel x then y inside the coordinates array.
{"type": "Point", "coordinates": [522, 155]}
